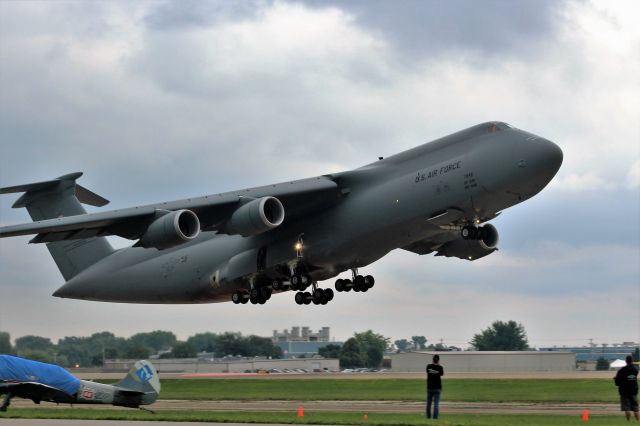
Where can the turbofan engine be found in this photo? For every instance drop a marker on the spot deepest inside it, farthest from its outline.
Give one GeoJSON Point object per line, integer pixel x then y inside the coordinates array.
{"type": "Point", "coordinates": [255, 217]}
{"type": "Point", "coordinates": [480, 242]}
{"type": "Point", "coordinates": [171, 229]}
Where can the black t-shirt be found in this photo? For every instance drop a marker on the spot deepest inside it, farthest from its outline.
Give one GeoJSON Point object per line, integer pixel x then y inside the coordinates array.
{"type": "Point", "coordinates": [627, 380]}
{"type": "Point", "coordinates": [434, 372]}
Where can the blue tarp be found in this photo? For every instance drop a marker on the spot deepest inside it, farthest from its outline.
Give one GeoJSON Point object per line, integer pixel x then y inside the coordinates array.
{"type": "Point", "coordinates": [23, 370]}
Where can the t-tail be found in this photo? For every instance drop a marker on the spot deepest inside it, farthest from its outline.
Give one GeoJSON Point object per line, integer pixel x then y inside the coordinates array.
{"type": "Point", "coordinates": [142, 379]}
{"type": "Point", "coordinates": [57, 198]}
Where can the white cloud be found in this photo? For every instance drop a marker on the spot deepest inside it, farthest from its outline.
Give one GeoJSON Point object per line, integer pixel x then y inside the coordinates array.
{"type": "Point", "coordinates": [633, 176]}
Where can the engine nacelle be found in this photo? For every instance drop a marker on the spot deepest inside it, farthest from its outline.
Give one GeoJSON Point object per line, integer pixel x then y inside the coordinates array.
{"type": "Point", "coordinates": [172, 229]}
{"type": "Point", "coordinates": [255, 217]}
{"type": "Point", "coordinates": [472, 249]}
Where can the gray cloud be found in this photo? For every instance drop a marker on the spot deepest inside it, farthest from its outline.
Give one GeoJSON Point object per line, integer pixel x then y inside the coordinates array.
{"type": "Point", "coordinates": [493, 28]}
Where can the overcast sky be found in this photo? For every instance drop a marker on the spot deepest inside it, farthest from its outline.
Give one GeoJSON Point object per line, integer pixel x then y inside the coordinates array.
{"type": "Point", "coordinates": [157, 101]}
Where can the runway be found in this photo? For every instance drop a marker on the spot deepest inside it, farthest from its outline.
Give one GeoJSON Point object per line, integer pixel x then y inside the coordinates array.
{"type": "Point", "coordinates": [65, 422]}
{"type": "Point", "coordinates": [356, 406]}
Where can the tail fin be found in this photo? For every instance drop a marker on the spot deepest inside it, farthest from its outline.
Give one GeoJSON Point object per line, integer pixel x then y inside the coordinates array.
{"type": "Point", "coordinates": [62, 197]}
{"type": "Point", "coordinates": [142, 377]}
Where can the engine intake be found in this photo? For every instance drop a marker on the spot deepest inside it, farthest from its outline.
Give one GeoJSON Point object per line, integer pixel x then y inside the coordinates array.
{"type": "Point", "coordinates": [485, 244]}
{"type": "Point", "coordinates": [171, 229]}
{"type": "Point", "coordinates": [255, 217]}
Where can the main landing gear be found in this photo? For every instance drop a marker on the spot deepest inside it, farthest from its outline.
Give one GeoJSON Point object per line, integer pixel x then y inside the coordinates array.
{"type": "Point", "coordinates": [358, 283]}
{"type": "Point", "coordinates": [257, 295]}
{"type": "Point", "coordinates": [317, 296]}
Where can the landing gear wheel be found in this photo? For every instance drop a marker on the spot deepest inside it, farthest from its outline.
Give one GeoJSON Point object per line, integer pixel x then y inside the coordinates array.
{"type": "Point", "coordinates": [299, 298]}
{"type": "Point", "coordinates": [318, 295]}
{"type": "Point", "coordinates": [277, 285]}
{"type": "Point", "coordinates": [340, 285]}
{"type": "Point", "coordinates": [254, 293]}
{"type": "Point", "coordinates": [237, 297]}
{"type": "Point", "coordinates": [328, 294]}
{"type": "Point", "coordinates": [307, 297]}
{"type": "Point", "coordinates": [265, 293]}
{"type": "Point", "coordinates": [347, 285]}
{"type": "Point", "coordinates": [369, 281]}
{"type": "Point", "coordinates": [254, 300]}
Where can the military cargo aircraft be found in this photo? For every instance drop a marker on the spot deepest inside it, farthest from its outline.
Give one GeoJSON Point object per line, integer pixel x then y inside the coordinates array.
{"type": "Point", "coordinates": [244, 245]}
{"type": "Point", "coordinates": [39, 381]}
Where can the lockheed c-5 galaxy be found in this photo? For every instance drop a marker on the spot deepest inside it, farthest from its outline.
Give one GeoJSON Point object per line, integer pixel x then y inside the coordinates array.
{"type": "Point", "coordinates": [245, 245]}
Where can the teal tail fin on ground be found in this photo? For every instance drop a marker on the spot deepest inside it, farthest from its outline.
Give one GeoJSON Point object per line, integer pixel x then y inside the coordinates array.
{"type": "Point", "coordinates": [143, 378]}
{"type": "Point", "coordinates": [62, 197]}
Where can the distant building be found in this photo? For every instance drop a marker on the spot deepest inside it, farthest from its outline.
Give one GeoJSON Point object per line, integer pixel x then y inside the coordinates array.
{"type": "Point", "coordinates": [301, 341]}
{"type": "Point", "coordinates": [301, 334]}
{"type": "Point", "coordinates": [486, 361]}
{"type": "Point", "coordinates": [593, 352]}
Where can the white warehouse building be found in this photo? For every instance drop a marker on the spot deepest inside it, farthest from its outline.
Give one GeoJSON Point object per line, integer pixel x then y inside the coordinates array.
{"type": "Point", "coordinates": [486, 361]}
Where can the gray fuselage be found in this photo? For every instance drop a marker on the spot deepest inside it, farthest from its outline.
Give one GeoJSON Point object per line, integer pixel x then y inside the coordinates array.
{"type": "Point", "coordinates": [382, 206]}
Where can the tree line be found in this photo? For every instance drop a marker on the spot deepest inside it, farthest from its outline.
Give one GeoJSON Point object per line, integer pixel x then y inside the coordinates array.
{"type": "Point", "coordinates": [93, 350]}
{"type": "Point", "coordinates": [364, 349]}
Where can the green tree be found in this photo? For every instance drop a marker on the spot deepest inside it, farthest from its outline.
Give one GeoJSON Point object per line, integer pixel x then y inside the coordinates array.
{"type": "Point", "coordinates": [33, 343]}
{"type": "Point", "coordinates": [5, 343]}
{"type": "Point", "coordinates": [351, 354]}
{"type": "Point", "coordinates": [137, 351]}
{"type": "Point", "coordinates": [636, 354]}
{"type": "Point", "coordinates": [419, 342]}
{"type": "Point", "coordinates": [204, 342]}
{"type": "Point", "coordinates": [330, 351]}
{"type": "Point", "coordinates": [156, 341]}
{"type": "Point", "coordinates": [183, 350]}
{"type": "Point", "coordinates": [372, 347]}
{"type": "Point", "coordinates": [402, 345]}
{"type": "Point", "coordinates": [602, 364]}
{"type": "Point", "coordinates": [36, 355]}
{"type": "Point", "coordinates": [501, 336]}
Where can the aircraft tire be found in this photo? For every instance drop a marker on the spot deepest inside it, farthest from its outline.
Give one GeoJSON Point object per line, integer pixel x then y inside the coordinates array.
{"type": "Point", "coordinates": [339, 285]}
{"type": "Point", "coordinates": [369, 281]}
{"type": "Point", "coordinates": [254, 293]}
{"type": "Point", "coordinates": [277, 285]}
{"type": "Point", "coordinates": [299, 298]}
{"type": "Point", "coordinates": [318, 295]}
{"type": "Point", "coordinates": [253, 300]}
{"type": "Point", "coordinates": [328, 294]}
{"type": "Point", "coordinates": [244, 300]}
{"type": "Point", "coordinates": [262, 300]}
{"type": "Point", "coordinates": [347, 285]}
{"type": "Point", "coordinates": [307, 297]}
{"type": "Point", "coordinates": [265, 293]}
{"type": "Point", "coordinates": [236, 297]}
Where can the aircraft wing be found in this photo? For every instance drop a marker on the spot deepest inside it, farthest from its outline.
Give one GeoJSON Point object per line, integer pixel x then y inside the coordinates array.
{"type": "Point", "coordinates": [298, 198]}
{"type": "Point", "coordinates": [30, 390]}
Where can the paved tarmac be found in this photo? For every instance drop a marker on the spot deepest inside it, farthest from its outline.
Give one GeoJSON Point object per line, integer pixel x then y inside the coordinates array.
{"type": "Point", "coordinates": [64, 422]}
{"type": "Point", "coordinates": [356, 406]}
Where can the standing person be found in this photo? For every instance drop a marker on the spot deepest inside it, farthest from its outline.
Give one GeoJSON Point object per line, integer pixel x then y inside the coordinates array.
{"type": "Point", "coordinates": [434, 386]}
{"type": "Point", "coordinates": [627, 382]}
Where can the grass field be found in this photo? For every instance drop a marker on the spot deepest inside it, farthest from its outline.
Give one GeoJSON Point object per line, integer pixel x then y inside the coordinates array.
{"type": "Point", "coordinates": [470, 390]}
{"type": "Point", "coordinates": [310, 418]}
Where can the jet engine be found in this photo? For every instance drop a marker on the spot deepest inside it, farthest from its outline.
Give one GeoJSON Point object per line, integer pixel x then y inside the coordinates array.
{"type": "Point", "coordinates": [171, 229]}
{"type": "Point", "coordinates": [255, 217]}
{"type": "Point", "coordinates": [484, 244]}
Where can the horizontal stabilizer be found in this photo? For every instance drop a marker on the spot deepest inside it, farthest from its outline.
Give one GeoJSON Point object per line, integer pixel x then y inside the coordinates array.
{"type": "Point", "coordinates": [82, 194]}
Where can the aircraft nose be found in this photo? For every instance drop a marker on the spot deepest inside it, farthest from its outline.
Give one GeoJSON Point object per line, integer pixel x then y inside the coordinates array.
{"type": "Point", "coordinates": [538, 160]}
